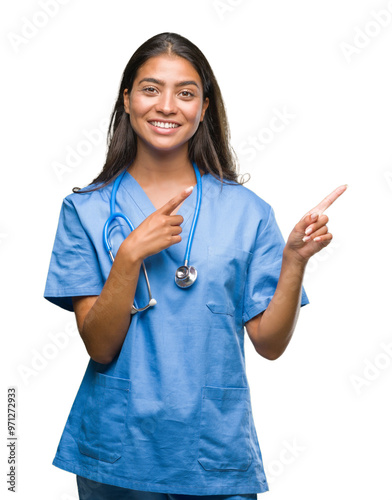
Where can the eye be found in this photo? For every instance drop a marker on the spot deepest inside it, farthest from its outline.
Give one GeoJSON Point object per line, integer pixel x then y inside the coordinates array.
{"type": "Point", "coordinates": [149, 89]}
{"type": "Point", "coordinates": [188, 92]}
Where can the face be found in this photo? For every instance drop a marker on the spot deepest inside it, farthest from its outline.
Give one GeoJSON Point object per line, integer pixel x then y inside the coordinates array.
{"type": "Point", "coordinates": [165, 104]}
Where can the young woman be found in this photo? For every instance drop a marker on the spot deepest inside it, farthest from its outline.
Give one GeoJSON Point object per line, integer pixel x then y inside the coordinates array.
{"type": "Point", "coordinates": [164, 406]}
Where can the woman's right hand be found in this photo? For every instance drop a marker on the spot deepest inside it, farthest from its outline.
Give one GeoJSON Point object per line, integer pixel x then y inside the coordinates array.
{"type": "Point", "coordinates": [158, 231]}
{"type": "Point", "coordinates": [103, 320]}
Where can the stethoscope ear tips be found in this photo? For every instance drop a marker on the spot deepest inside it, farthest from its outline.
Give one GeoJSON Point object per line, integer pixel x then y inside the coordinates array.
{"type": "Point", "coordinates": [152, 302]}
{"type": "Point", "coordinates": [185, 276]}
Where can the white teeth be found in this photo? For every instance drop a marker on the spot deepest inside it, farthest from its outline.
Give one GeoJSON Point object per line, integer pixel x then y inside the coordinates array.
{"type": "Point", "coordinates": [165, 125]}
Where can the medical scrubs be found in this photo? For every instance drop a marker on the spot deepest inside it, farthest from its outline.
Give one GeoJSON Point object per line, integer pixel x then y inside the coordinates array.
{"type": "Point", "coordinates": [172, 412]}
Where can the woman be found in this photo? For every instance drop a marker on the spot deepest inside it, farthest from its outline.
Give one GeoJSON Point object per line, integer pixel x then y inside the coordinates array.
{"type": "Point", "coordinates": [164, 406]}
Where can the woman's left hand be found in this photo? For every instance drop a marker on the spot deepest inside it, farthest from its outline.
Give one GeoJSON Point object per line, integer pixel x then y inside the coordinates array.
{"type": "Point", "coordinates": [310, 235]}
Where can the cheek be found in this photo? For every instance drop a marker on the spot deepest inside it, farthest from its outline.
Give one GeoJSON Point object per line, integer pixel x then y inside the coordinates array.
{"type": "Point", "coordinates": [193, 114]}
{"type": "Point", "coordinates": [136, 112]}
{"type": "Point", "coordinates": [138, 106]}
{"type": "Point", "coordinates": [132, 117]}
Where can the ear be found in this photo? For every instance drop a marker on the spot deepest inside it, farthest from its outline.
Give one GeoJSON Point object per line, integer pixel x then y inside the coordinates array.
{"type": "Point", "coordinates": [126, 101]}
{"type": "Point", "coordinates": [205, 106]}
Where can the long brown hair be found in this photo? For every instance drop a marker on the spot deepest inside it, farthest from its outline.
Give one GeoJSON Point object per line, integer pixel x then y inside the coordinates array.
{"type": "Point", "coordinates": [209, 147]}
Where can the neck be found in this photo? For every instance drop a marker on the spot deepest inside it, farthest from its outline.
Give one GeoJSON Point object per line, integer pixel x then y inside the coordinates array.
{"type": "Point", "coordinates": [155, 167]}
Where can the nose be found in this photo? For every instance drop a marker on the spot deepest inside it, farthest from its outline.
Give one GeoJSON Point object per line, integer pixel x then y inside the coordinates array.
{"type": "Point", "coordinates": [166, 103]}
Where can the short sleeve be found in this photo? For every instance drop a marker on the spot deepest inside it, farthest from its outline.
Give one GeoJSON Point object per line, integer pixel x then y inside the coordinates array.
{"type": "Point", "coordinates": [264, 270]}
{"type": "Point", "coordinates": [74, 269]}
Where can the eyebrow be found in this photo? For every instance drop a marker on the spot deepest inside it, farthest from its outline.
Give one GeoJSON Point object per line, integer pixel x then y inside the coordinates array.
{"type": "Point", "coordinates": [161, 82]}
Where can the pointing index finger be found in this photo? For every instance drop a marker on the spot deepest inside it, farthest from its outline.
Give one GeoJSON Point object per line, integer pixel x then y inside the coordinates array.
{"type": "Point", "coordinates": [172, 204]}
{"type": "Point", "coordinates": [327, 201]}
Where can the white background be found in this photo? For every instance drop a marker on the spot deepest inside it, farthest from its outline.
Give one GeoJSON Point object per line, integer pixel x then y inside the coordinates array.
{"type": "Point", "coordinates": [322, 410]}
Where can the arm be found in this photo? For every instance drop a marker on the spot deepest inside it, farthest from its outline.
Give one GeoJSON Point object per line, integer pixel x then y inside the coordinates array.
{"type": "Point", "coordinates": [103, 320]}
{"type": "Point", "coordinates": [271, 331]}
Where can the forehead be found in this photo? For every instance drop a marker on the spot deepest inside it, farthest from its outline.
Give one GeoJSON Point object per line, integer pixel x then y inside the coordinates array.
{"type": "Point", "coordinates": [170, 68]}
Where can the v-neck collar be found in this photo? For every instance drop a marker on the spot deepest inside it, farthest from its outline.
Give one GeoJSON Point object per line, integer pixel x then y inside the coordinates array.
{"type": "Point", "coordinates": [145, 205]}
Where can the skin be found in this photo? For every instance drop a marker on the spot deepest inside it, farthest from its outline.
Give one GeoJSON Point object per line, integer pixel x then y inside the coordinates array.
{"type": "Point", "coordinates": [163, 170]}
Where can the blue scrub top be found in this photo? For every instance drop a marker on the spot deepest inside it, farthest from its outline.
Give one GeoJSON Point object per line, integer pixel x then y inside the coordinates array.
{"type": "Point", "coordinates": [172, 412]}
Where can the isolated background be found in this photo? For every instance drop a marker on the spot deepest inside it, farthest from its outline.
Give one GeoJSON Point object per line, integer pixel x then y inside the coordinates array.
{"type": "Point", "coordinates": [322, 411]}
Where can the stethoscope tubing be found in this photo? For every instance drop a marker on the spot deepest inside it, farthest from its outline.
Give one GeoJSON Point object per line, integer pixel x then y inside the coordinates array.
{"type": "Point", "coordinates": [195, 215]}
{"type": "Point", "coordinates": [113, 215]}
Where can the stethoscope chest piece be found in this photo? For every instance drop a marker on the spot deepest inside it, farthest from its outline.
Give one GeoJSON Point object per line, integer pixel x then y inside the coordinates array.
{"type": "Point", "coordinates": [185, 276]}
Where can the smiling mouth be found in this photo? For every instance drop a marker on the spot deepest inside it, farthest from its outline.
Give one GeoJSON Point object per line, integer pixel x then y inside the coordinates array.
{"type": "Point", "coordinates": [164, 124]}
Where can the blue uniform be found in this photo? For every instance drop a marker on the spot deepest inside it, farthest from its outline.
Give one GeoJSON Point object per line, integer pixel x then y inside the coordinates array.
{"type": "Point", "coordinates": [172, 412]}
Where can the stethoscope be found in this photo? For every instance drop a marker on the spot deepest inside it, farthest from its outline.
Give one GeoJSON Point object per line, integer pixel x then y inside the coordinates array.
{"type": "Point", "coordinates": [185, 275]}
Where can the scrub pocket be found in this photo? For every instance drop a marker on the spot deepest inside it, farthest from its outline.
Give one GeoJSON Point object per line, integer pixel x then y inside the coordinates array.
{"type": "Point", "coordinates": [226, 270]}
{"type": "Point", "coordinates": [103, 428]}
{"type": "Point", "coordinates": [224, 440]}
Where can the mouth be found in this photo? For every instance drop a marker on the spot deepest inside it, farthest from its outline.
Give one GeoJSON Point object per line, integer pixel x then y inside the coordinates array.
{"type": "Point", "coordinates": [164, 125]}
